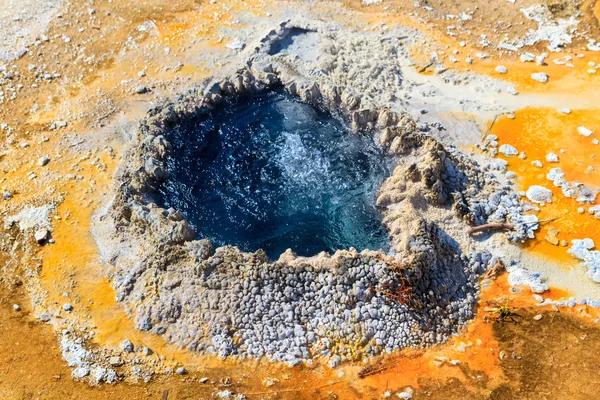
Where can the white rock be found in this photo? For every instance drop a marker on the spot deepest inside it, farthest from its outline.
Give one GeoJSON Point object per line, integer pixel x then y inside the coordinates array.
{"type": "Point", "coordinates": [406, 394]}
{"type": "Point", "coordinates": [540, 77]}
{"type": "Point", "coordinates": [556, 175]}
{"type": "Point", "coordinates": [501, 69]}
{"type": "Point", "coordinates": [520, 276]}
{"type": "Point", "coordinates": [527, 57]}
{"type": "Point", "coordinates": [537, 163]}
{"type": "Point", "coordinates": [43, 161]}
{"type": "Point", "coordinates": [539, 194]}
{"type": "Point", "coordinates": [236, 45]}
{"type": "Point", "coordinates": [580, 247]}
{"type": "Point", "coordinates": [551, 157]}
{"type": "Point", "coordinates": [508, 150]}
{"type": "Point", "coordinates": [564, 110]}
{"type": "Point", "coordinates": [584, 131]}
{"type": "Point", "coordinates": [595, 141]}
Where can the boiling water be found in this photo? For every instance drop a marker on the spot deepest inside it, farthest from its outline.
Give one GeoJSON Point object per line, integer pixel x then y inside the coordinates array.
{"type": "Point", "coordinates": [268, 172]}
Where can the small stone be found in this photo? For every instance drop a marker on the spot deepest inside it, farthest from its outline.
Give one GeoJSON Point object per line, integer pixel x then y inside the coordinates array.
{"type": "Point", "coordinates": [501, 69]}
{"type": "Point", "coordinates": [564, 110]}
{"type": "Point", "coordinates": [537, 317]}
{"type": "Point", "coordinates": [7, 195]}
{"type": "Point", "coordinates": [551, 236]}
{"type": "Point", "coordinates": [540, 77]}
{"type": "Point", "coordinates": [236, 45]}
{"type": "Point", "coordinates": [67, 307]}
{"type": "Point", "coordinates": [551, 157]}
{"type": "Point", "coordinates": [539, 194]}
{"type": "Point", "coordinates": [203, 380]}
{"type": "Point", "coordinates": [564, 243]}
{"type": "Point", "coordinates": [469, 60]}
{"type": "Point", "coordinates": [180, 371]}
{"type": "Point", "coordinates": [142, 89]}
{"type": "Point", "coordinates": [268, 382]}
{"type": "Point", "coordinates": [80, 372]}
{"type": "Point", "coordinates": [584, 131]}
{"type": "Point", "coordinates": [527, 57]}
{"type": "Point", "coordinates": [45, 317]}
{"type": "Point", "coordinates": [537, 163]}
{"type": "Point", "coordinates": [42, 236]}
{"type": "Point", "coordinates": [16, 307]}
{"type": "Point", "coordinates": [126, 346]}
{"type": "Point", "coordinates": [115, 361]}
{"type": "Point", "coordinates": [142, 74]}
{"type": "Point", "coordinates": [146, 351]}
{"type": "Point", "coordinates": [508, 150]}
{"type": "Point", "coordinates": [43, 161]}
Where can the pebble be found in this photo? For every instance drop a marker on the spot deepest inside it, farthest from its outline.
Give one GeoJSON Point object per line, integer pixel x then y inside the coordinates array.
{"type": "Point", "coordinates": [16, 307]}
{"type": "Point", "coordinates": [180, 371]}
{"type": "Point", "coordinates": [236, 45]}
{"type": "Point", "coordinates": [551, 157]}
{"type": "Point", "coordinates": [42, 236]}
{"type": "Point", "coordinates": [584, 131]}
{"type": "Point", "coordinates": [469, 60]}
{"type": "Point", "coordinates": [142, 89]}
{"type": "Point", "coordinates": [407, 394]}
{"type": "Point", "coordinates": [501, 69]}
{"type": "Point", "coordinates": [67, 307]}
{"type": "Point", "coordinates": [43, 161]}
{"type": "Point", "coordinates": [527, 57]}
{"type": "Point", "coordinates": [539, 194]}
{"type": "Point", "coordinates": [115, 361]}
{"type": "Point", "coordinates": [126, 346]}
{"type": "Point", "coordinates": [538, 317]}
{"type": "Point", "coordinates": [564, 110]}
{"type": "Point", "coordinates": [508, 150]}
{"type": "Point", "coordinates": [540, 77]}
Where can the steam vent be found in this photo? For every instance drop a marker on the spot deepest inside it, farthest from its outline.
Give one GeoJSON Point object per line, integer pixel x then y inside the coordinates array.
{"type": "Point", "coordinates": [365, 199]}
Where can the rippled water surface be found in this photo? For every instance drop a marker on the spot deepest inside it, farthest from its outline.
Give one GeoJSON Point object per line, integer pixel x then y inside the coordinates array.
{"type": "Point", "coordinates": [271, 173]}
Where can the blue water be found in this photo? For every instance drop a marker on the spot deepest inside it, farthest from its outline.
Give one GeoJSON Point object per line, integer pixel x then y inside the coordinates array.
{"type": "Point", "coordinates": [271, 173]}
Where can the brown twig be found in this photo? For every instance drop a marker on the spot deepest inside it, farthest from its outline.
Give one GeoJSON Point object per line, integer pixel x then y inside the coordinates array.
{"type": "Point", "coordinates": [491, 227]}
{"type": "Point", "coordinates": [425, 67]}
{"type": "Point", "coordinates": [489, 128]}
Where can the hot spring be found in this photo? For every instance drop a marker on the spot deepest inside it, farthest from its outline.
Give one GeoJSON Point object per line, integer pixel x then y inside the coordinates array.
{"type": "Point", "coordinates": [269, 172]}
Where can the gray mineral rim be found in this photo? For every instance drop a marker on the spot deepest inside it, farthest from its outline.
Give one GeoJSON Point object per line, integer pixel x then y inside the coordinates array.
{"type": "Point", "coordinates": [340, 307]}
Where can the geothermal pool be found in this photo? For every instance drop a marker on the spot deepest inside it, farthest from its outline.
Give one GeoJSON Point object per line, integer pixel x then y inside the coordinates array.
{"type": "Point", "coordinates": [269, 172]}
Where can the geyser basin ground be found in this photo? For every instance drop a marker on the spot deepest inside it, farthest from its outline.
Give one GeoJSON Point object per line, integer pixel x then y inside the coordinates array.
{"type": "Point", "coordinates": [269, 172]}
